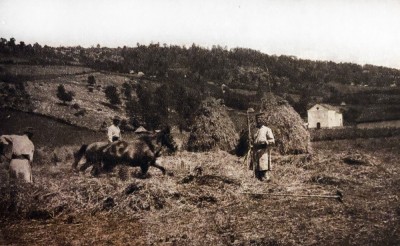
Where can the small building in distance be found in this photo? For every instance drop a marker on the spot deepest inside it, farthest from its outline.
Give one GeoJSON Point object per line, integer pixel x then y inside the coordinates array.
{"type": "Point", "coordinates": [141, 130]}
{"type": "Point", "coordinates": [324, 116]}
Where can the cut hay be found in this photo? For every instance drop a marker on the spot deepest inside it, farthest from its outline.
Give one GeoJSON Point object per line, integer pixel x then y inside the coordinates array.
{"type": "Point", "coordinates": [212, 128]}
{"type": "Point", "coordinates": [291, 136]}
{"type": "Point", "coordinates": [358, 159]}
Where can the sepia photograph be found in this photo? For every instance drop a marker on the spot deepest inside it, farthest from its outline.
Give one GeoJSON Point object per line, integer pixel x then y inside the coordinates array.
{"type": "Point", "coordinates": [188, 122]}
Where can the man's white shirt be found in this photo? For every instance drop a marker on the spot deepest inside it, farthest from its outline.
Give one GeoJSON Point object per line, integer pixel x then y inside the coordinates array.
{"type": "Point", "coordinates": [113, 131]}
{"type": "Point", "coordinates": [264, 135]}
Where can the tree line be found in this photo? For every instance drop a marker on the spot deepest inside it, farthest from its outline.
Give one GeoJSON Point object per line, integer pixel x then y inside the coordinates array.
{"type": "Point", "coordinates": [194, 67]}
{"type": "Point", "coordinates": [216, 64]}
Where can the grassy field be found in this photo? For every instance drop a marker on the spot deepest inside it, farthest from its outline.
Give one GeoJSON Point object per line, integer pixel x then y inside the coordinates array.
{"type": "Point", "coordinates": [41, 70]}
{"type": "Point", "coordinates": [211, 198]}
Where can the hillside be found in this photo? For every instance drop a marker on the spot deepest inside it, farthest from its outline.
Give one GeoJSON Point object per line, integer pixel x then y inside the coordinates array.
{"type": "Point", "coordinates": [33, 88]}
{"type": "Point", "coordinates": [243, 72]}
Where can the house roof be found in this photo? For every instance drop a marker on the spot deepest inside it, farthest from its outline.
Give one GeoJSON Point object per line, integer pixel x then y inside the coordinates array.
{"type": "Point", "coordinates": [329, 107]}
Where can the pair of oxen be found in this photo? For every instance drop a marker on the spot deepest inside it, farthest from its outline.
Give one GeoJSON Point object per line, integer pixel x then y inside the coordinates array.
{"type": "Point", "coordinates": [142, 152]}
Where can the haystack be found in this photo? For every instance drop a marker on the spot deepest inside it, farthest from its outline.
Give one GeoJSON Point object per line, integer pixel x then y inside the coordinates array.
{"type": "Point", "coordinates": [291, 136]}
{"type": "Point", "coordinates": [212, 128]}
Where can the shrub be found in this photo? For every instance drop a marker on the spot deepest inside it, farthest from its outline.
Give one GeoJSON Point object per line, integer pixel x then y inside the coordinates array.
{"type": "Point", "coordinates": [76, 106]}
{"type": "Point", "coordinates": [81, 112]}
{"type": "Point", "coordinates": [91, 80]}
{"type": "Point", "coordinates": [112, 95]}
{"type": "Point", "coordinates": [127, 90]}
{"type": "Point", "coordinates": [63, 95]}
{"type": "Point", "coordinates": [351, 133]}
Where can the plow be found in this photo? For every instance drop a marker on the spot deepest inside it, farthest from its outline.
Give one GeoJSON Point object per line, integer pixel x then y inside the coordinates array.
{"type": "Point", "coordinates": [338, 196]}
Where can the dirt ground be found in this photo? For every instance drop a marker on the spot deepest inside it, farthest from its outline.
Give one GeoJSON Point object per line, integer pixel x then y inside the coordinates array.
{"type": "Point", "coordinates": [212, 199]}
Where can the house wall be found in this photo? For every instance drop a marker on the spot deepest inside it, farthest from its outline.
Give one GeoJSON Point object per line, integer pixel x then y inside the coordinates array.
{"type": "Point", "coordinates": [380, 124]}
{"type": "Point", "coordinates": [335, 119]}
{"type": "Point", "coordinates": [315, 116]}
{"type": "Point", "coordinates": [326, 118]}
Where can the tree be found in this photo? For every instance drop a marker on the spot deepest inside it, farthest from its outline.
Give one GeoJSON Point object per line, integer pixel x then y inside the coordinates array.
{"type": "Point", "coordinates": [127, 90]}
{"type": "Point", "coordinates": [22, 46]}
{"type": "Point", "coordinates": [186, 104]}
{"type": "Point", "coordinates": [133, 112]}
{"type": "Point", "coordinates": [162, 101]}
{"type": "Point", "coordinates": [37, 48]}
{"type": "Point", "coordinates": [3, 43]}
{"type": "Point", "coordinates": [11, 44]}
{"type": "Point", "coordinates": [91, 83]}
{"type": "Point", "coordinates": [112, 95]}
{"type": "Point", "coordinates": [64, 95]}
{"type": "Point", "coordinates": [91, 80]}
{"type": "Point", "coordinates": [148, 111]}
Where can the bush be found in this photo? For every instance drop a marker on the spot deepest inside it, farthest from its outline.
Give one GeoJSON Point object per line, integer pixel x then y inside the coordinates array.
{"type": "Point", "coordinates": [63, 95]}
{"type": "Point", "coordinates": [75, 106]}
{"type": "Point", "coordinates": [351, 133]}
{"type": "Point", "coordinates": [112, 95]}
{"type": "Point", "coordinates": [91, 80]}
{"type": "Point", "coordinates": [81, 112]}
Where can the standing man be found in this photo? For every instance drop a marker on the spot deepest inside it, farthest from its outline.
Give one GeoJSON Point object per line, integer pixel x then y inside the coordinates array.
{"type": "Point", "coordinates": [263, 141]}
{"type": "Point", "coordinates": [113, 132]}
{"type": "Point", "coordinates": [22, 154]}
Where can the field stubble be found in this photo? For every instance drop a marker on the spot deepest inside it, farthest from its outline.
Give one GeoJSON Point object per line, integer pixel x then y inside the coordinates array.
{"type": "Point", "coordinates": [205, 199]}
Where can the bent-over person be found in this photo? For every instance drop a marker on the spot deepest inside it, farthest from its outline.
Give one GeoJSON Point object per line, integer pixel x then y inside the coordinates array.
{"type": "Point", "coordinates": [262, 146]}
{"type": "Point", "coordinates": [22, 154]}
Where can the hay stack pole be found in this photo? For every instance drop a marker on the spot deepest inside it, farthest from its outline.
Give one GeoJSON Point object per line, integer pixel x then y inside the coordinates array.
{"type": "Point", "coordinates": [248, 156]}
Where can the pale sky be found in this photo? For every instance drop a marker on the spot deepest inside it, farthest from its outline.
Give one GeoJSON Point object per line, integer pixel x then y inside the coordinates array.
{"type": "Point", "coordinates": [359, 31]}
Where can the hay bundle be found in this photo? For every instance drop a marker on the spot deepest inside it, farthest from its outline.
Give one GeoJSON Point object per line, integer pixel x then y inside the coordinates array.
{"type": "Point", "coordinates": [290, 134]}
{"type": "Point", "coordinates": [212, 128]}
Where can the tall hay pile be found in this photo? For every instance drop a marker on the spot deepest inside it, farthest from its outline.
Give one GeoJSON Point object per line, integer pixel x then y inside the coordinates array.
{"type": "Point", "coordinates": [212, 128]}
{"type": "Point", "coordinates": [291, 136]}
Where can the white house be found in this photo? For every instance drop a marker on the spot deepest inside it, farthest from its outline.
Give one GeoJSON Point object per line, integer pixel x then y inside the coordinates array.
{"type": "Point", "coordinates": [324, 116]}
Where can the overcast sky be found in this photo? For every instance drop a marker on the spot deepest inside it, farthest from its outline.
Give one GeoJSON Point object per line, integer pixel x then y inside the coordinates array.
{"type": "Point", "coordinates": [360, 31]}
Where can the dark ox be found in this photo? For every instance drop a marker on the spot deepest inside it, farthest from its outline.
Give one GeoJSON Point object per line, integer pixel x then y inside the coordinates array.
{"type": "Point", "coordinates": [142, 152]}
